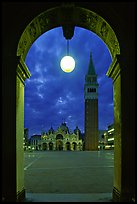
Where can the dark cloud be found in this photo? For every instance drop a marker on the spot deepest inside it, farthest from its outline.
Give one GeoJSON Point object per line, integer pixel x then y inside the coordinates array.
{"type": "Point", "coordinates": [53, 96]}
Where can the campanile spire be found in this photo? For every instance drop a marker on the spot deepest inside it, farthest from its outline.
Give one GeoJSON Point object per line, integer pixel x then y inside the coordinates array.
{"type": "Point", "coordinates": [91, 68]}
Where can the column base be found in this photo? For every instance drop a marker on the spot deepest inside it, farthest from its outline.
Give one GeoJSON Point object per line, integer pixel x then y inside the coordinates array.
{"type": "Point", "coordinates": [116, 195]}
{"type": "Point", "coordinates": [122, 197]}
{"type": "Point", "coordinates": [20, 196]}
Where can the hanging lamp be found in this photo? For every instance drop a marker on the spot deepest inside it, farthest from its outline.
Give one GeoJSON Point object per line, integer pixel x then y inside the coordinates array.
{"type": "Point", "coordinates": [67, 63]}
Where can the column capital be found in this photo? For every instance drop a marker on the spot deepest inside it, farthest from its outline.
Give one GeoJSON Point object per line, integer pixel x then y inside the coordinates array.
{"type": "Point", "coordinates": [114, 69]}
{"type": "Point", "coordinates": [22, 70]}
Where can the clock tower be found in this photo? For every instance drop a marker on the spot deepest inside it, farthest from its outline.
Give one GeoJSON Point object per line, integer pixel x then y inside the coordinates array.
{"type": "Point", "coordinates": [91, 108]}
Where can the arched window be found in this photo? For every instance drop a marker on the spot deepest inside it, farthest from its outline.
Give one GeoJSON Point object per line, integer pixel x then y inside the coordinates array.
{"type": "Point", "coordinates": [59, 136]}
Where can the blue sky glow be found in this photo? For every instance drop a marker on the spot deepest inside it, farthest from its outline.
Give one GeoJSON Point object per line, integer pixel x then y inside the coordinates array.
{"type": "Point", "coordinates": [53, 96]}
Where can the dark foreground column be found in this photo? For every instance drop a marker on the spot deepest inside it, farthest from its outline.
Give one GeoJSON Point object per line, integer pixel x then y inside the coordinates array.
{"type": "Point", "coordinates": [124, 171]}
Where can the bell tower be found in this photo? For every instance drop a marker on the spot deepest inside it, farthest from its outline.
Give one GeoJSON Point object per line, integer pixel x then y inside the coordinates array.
{"type": "Point", "coordinates": [91, 108]}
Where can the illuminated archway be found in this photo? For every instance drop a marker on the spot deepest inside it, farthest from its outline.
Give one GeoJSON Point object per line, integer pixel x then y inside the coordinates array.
{"type": "Point", "coordinates": [84, 18]}
{"type": "Point", "coordinates": [68, 146]}
{"type": "Point", "coordinates": [57, 17]}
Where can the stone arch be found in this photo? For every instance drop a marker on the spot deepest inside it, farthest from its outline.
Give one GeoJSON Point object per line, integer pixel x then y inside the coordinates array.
{"type": "Point", "coordinates": [74, 146]}
{"type": "Point", "coordinates": [59, 16]}
{"type": "Point", "coordinates": [59, 145]}
{"type": "Point", "coordinates": [59, 137]}
{"type": "Point", "coordinates": [50, 145]}
{"type": "Point", "coordinates": [44, 146]}
{"type": "Point", "coordinates": [68, 146]}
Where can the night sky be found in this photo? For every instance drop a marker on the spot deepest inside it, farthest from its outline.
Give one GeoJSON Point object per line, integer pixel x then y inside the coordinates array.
{"type": "Point", "coordinates": [53, 96]}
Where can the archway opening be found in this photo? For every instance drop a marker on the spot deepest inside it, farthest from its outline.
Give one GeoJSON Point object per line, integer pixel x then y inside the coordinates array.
{"type": "Point", "coordinates": [53, 88]}
{"type": "Point", "coordinates": [41, 76]}
{"type": "Point", "coordinates": [104, 31]}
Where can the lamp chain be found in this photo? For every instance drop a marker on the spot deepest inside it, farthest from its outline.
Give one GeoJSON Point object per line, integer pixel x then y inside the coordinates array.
{"type": "Point", "coordinates": [68, 47]}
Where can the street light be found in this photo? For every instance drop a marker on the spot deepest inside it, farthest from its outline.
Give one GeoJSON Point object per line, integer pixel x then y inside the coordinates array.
{"type": "Point", "coordinates": [67, 63]}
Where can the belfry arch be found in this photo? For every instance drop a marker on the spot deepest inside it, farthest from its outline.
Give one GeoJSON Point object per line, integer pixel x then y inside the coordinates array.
{"type": "Point", "coordinates": [68, 16]}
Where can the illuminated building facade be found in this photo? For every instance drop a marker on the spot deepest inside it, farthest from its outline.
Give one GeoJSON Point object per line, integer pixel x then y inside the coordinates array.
{"type": "Point", "coordinates": [35, 142]}
{"type": "Point", "coordinates": [109, 137]}
{"type": "Point", "coordinates": [60, 140]}
{"type": "Point", "coordinates": [26, 138]}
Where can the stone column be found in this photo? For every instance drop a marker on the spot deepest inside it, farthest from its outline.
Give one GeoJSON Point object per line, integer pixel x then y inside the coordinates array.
{"type": "Point", "coordinates": [123, 184]}
{"type": "Point", "coordinates": [8, 98]}
{"type": "Point", "coordinates": [48, 146]}
{"type": "Point", "coordinates": [54, 145]}
{"type": "Point", "coordinates": [22, 73]}
{"type": "Point", "coordinates": [114, 73]}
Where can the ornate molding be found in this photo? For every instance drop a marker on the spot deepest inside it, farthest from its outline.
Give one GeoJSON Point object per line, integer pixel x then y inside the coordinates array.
{"type": "Point", "coordinates": [92, 21]}
{"type": "Point", "coordinates": [68, 16]}
{"type": "Point", "coordinates": [22, 70]}
{"type": "Point", "coordinates": [114, 69]}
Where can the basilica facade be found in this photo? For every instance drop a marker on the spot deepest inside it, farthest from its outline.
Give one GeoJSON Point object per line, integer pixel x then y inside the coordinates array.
{"type": "Point", "coordinates": [61, 139]}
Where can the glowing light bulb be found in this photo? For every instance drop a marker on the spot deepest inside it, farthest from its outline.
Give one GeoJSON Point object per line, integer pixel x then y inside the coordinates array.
{"type": "Point", "coordinates": [67, 64]}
